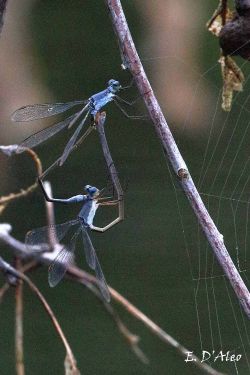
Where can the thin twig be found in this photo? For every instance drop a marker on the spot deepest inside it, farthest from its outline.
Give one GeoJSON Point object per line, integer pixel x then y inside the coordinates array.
{"type": "Point", "coordinates": [19, 323]}
{"type": "Point", "coordinates": [80, 276]}
{"type": "Point", "coordinates": [9, 150]}
{"type": "Point", "coordinates": [210, 230]}
{"type": "Point", "coordinates": [3, 290]}
{"type": "Point", "coordinates": [26, 268]}
{"type": "Point", "coordinates": [20, 248]}
{"type": "Point", "coordinates": [69, 354]}
{"type": "Point", "coordinates": [152, 326]}
{"type": "Point", "coordinates": [131, 339]}
{"type": "Point", "coordinates": [50, 215]}
{"type": "Point", "coordinates": [54, 321]}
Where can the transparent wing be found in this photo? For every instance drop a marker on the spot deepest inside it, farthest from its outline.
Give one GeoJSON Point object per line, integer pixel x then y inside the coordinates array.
{"type": "Point", "coordinates": [94, 264]}
{"type": "Point", "coordinates": [72, 140]}
{"type": "Point", "coordinates": [40, 235]}
{"type": "Point", "coordinates": [64, 259]}
{"type": "Point", "coordinates": [88, 248]}
{"type": "Point", "coordinates": [37, 111]}
{"type": "Point", "coordinates": [102, 282]}
{"type": "Point", "coordinates": [43, 135]}
{"type": "Point", "coordinates": [58, 268]}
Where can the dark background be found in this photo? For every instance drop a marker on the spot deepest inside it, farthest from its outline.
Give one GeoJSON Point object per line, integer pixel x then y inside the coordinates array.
{"type": "Point", "coordinates": [156, 255]}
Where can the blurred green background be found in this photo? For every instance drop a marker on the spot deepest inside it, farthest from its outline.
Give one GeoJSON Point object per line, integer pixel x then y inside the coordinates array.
{"type": "Point", "coordinates": [157, 258]}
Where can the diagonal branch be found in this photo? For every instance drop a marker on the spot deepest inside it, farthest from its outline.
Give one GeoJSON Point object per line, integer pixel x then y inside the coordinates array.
{"type": "Point", "coordinates": [80, 275]}
{"type": "Point", "coordinates": [214, 237]}
{"type": "Point", "coordinates": [130, 338]}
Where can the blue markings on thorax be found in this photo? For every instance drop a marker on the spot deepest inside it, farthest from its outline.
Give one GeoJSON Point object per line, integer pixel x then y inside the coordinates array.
{"type": "Point", "coordinates": [88, 211]}
{"type": "Point", "coordinates": [99, 100]}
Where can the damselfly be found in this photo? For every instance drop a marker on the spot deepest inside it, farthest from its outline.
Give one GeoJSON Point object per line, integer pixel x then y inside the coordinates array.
{"type": "Point", "coordinates": [82, 225]}
{"type": "Point", "coordinates": [91, 107]}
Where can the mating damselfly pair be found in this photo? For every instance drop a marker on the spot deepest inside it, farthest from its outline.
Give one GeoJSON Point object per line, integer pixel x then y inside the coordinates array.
{"type": "Point", "coordinates": [92, 200]}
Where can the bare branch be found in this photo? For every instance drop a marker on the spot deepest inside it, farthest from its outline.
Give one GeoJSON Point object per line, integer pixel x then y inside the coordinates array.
{"type": "Point", "coordinates": [9, 151]}
{"type": "Point", "coordinates": [214, 237]}
{"type": "Point", "coordinates": [21, 249]}
{"type": "Point", "coordinates": [50, 215]}
{"type": "Point", "coordinates": [131, 339]}
{"type": "Point", "coordinates": [3, 290]}
{"type": "Point", "coordinates": [80, 275]}
{"type": "Point", "coordinates": [26, 268]}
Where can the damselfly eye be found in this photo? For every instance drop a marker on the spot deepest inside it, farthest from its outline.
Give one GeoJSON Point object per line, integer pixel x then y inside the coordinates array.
{"type": "Point", "coordinates": [116, 86]}
{"type": "Point", "coordinates": [111, 82]}
{"type": "Point", "coordinates": [114, 83]}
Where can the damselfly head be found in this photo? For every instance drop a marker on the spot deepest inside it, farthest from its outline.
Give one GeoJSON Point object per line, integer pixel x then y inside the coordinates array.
{"type": "Point", "coordinates": [92, 191]}
{"type": "Point", "coordinates": [114, 85]}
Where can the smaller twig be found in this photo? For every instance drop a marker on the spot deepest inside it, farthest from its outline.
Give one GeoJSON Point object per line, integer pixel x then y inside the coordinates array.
{"type": "Point", "coordinates": [131, 339]}
{"type": "Point", "coordinates": [84, 277]}
{"type": "Point", "coordinates": [55, 322]}
{"type": "Point", "coordinates": [7, 268]}
{"type": "Point", "coordinates": [165, 337]}
{"type": "Point", "coordinates": [50, 215]}
{"type": "Point", "coordinates": [3, 290]}
{"type": "Point", "coordinates": [10, 150]}
{"type": "Point", "coordinates": [19, 324]}
{"type": "Point", "coordinates": [26, 268]}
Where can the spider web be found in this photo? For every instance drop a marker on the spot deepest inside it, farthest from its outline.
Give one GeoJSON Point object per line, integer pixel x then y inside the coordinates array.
{"type": "Point", "coordinates": [221, 173]}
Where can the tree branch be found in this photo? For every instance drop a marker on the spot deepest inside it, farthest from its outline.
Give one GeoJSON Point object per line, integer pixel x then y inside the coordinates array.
{"type": "Point", "coordinates": [152, 326]}
{"type": "Point", "coordinates": [131, 339]}
{"type": "Point", "coordinates": [132, 61]}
